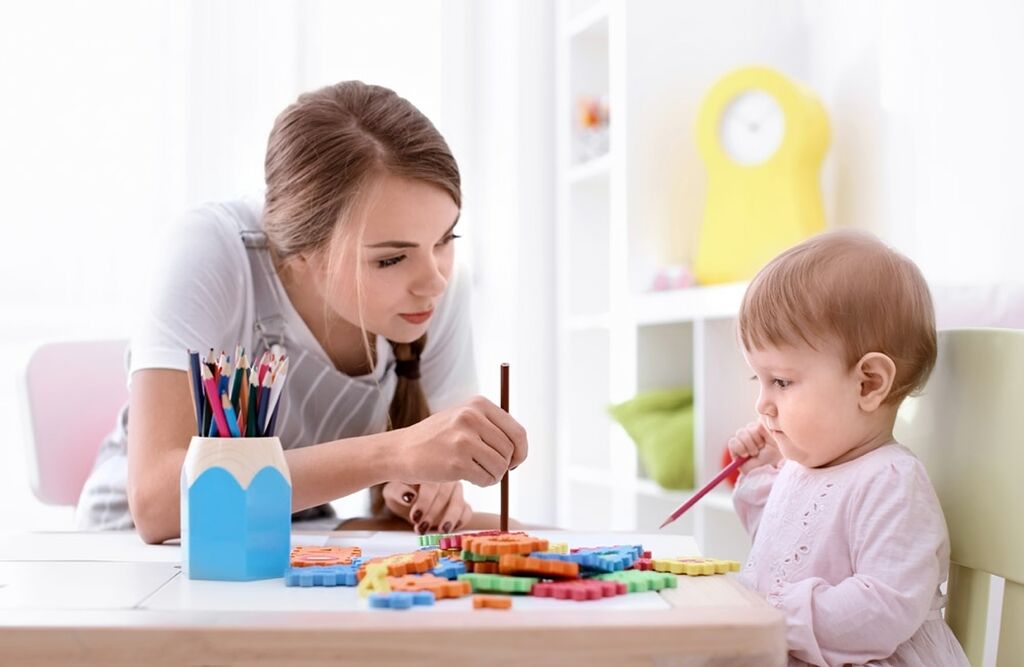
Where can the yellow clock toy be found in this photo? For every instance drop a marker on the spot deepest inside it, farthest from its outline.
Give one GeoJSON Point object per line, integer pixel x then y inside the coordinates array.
{"type": "Point", "coordinates": [763, 138]}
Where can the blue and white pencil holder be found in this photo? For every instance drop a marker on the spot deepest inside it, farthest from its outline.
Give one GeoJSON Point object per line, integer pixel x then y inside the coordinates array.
{"type": "Point", "coordinates": [236, 506]}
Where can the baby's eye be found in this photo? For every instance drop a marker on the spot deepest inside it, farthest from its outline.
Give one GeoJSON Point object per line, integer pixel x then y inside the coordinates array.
{"type": "Point", "coordinates": [390, 261]}
{"type": "Point", "coordinates": [780, 383]}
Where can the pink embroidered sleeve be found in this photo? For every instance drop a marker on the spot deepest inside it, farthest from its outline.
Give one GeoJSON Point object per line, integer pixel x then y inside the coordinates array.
{"type": "Point", "coordinates": [751, 494]}
{"type": "Point", "coordinates": [898, 544]}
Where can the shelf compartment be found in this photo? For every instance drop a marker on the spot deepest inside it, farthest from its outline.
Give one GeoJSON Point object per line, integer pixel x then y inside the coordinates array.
{"type": "Point", "coordinates": [664, 356]}
{"type": "Point", "coordinates": [587, 427]}
{"type": "Point", "coordinates": [724, 390]}
{"type": "Point", "coordinates": [587, 250]}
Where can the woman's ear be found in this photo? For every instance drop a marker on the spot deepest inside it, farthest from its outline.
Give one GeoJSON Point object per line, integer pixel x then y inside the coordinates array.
{"type": "Point", "coordinates": [876, 373]}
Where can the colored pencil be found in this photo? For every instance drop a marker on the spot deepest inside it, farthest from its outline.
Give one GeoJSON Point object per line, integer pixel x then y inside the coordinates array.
{"type": "Point", "coordinates": [236, 381]}
{"type": "Point", "coordinates": [250, 417]}
{"type": "Point", "coordinates": [503, 526]}
{"type": "Point", "coordinates": [195, 389]}
{"type": "Point", "coordinates": [229, 416]}
{"type": "Point", "coordinates": [276, 386]}
{"type": "Point", "coordinates": [233, 399]}
{"type": "Point", "coordinates": [261, 408]}
{"type": "Point", "coordinates": [243, 403]}
{"type": "Point", "coordinates": [692, 500]}
{"type": "Point", "coordinates": [215, 404]}
{"type": "Point", "coordinates": [272, 424]}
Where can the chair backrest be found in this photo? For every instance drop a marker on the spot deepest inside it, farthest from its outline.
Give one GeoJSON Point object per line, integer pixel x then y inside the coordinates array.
{"type": "Point", "coordinates": [74, 391]}
{"type": "Point", "coordinates": [966, 429]}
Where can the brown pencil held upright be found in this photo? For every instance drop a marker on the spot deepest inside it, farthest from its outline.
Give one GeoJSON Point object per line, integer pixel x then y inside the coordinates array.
{"type": "Point", "coordinates": [504, 479]}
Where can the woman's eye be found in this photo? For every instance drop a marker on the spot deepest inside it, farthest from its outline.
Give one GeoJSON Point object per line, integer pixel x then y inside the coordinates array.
{"type": "Point", "coordinates": [448, 239]}
{"type": "Point", "coordinates": [390, 261]}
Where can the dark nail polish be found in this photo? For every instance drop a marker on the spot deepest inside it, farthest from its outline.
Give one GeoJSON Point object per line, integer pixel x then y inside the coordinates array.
{"type": "Point", "coordinates": [422, 528]}
{"type": "Point", "coordinates": [447, 527]}
{"type": "Point", "coordinates": [408, 497]}
{"type": "Point", "coordinates": [416, 516]}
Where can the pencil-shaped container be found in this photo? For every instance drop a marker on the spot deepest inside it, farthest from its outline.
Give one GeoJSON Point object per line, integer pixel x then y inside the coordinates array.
{"type": "Point", "coordinates": [236, 505]}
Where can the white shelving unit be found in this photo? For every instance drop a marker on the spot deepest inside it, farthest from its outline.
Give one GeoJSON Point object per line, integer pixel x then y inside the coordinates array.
{"type": "Point", "coordinates": [614, 212]}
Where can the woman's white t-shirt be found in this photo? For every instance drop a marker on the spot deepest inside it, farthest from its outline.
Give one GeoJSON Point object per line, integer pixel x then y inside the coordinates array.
{"type": "Point", "coordinates": [215, 287]}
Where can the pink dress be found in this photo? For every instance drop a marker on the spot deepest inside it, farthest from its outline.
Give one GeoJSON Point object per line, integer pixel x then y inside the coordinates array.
{"type": "Point", "coordinates": [853, 555]}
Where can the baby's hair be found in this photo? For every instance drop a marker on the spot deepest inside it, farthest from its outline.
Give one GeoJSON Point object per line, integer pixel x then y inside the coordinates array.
{"type": "Point", "coordinates": [847, 286]}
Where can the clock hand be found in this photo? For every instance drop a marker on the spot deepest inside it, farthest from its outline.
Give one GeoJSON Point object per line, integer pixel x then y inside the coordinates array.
{"type": "Point", "coordinates": [755, 126]}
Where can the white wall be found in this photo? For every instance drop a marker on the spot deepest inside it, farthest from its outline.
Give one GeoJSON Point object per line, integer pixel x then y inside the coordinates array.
{"type": "Point", "coordinates": [118, 115]}
{"type": "Point", "coordinates": [504, 98]}
{"type": "Point", "coordinates": [926, 115]}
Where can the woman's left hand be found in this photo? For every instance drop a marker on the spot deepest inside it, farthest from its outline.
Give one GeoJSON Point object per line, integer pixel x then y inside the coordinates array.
{"type": "Point", "coordinates": [429, 506]}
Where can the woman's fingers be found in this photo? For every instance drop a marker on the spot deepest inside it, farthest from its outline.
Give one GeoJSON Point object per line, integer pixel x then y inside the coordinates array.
{"type": "Point", "coordinates": [453, 512]}
{"type": "Point", "coordinates": [424, 499]}
{"type": "Point", "coordinates": [435, 510]}
{"type": "Point", "coordinates": [465, 517]}
{"type": "Point", "coordinates": [513, 432]}
{"type": "Point", "coordinates": [399, 496]}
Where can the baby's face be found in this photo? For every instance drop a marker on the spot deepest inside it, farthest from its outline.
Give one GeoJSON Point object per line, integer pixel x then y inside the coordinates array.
{"type": "Point", "coordinates": [808, 401]}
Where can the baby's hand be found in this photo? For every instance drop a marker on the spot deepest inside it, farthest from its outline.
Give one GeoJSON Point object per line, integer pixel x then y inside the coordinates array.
{"type": "Point", "coordinates": [754, 442]}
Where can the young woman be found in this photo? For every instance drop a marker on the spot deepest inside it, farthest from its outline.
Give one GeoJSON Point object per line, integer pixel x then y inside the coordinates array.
{"type": "Point", "coordinates": [347, 264]}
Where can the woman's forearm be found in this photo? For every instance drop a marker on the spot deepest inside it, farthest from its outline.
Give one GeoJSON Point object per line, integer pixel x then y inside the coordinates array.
{"type": "Point", "coordinates": [328, 471]}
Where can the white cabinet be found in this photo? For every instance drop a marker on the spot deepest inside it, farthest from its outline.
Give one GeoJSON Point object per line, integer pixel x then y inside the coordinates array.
{"type": "Point", "coordinates": [618, 216]}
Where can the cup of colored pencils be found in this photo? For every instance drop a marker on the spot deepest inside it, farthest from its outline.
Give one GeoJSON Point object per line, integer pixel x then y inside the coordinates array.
{"type": "Point", "coordinates": [236, 494]}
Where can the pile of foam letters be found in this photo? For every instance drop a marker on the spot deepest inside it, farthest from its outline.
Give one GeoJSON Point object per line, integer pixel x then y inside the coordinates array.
{"type": "Point", "coordinates": [494, 567]}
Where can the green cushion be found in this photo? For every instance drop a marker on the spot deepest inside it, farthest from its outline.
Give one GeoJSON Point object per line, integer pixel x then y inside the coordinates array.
{"type": "Point", "coordinates": [660, 422]}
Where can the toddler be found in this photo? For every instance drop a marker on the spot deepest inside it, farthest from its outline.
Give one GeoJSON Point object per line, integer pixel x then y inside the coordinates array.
{"type": "Point", "coordinates": [849, 540]}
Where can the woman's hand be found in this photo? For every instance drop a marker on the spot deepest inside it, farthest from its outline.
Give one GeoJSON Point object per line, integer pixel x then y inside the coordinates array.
{"type": "Point", "coordinates": [754, 441]}
{"type": "Point", "coordinates": [429, 507]}
{"type": "Point", "coordinates": [476, 441]}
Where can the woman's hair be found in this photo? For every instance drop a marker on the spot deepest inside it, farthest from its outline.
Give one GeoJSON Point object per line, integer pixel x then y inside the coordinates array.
{"type": "Point", "coordinates": [850, 287]}
{"type": "Point", "coordinates": [325, 153]}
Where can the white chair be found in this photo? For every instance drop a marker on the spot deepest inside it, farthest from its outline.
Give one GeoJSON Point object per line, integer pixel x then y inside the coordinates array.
{"type": "Point", "coordinates": [74, 391]}
{"type": "Point", "coordinates": [965, 428]}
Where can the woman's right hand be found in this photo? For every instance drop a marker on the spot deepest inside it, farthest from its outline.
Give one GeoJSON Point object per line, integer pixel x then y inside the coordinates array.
{"type": "Point", "coordinates": [476, 441]}
{"type": "Point", "coordinates": [755, 442]}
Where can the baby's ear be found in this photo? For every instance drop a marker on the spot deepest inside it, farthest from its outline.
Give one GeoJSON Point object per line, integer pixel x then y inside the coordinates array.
{"type": "Point", "coordinates": [876, 373]}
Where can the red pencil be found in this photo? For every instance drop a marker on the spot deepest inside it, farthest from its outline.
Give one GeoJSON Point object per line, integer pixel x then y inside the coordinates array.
{"type": "Point", "coordinates": [215, 405]}
{"type": "Point", "coordinates": [692, 500]}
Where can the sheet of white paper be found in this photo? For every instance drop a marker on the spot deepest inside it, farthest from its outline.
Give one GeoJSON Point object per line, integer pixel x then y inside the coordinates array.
{"type": "Point", "coordinates": [110, 546]}
{"type": "Point", "coordinates": [87, 585]}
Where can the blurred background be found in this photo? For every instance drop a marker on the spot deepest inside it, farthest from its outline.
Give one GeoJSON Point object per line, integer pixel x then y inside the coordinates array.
{"type": "Point", "coordinates": [573, 123]}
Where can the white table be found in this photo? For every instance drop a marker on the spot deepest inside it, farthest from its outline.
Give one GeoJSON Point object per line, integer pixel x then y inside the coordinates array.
{"type": "Point", "coordinates": [109, 599]}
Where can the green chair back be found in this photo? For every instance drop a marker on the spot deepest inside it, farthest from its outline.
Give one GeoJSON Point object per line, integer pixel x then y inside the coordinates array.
{"type": "Point", "coordinates": [967, 429]}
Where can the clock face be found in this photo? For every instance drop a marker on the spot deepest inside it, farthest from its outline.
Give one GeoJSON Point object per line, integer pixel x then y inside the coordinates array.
{"type": "Point", "coordinates": [752, 127]}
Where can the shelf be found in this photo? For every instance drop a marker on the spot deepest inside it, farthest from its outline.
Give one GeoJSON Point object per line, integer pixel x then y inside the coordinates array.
{"type": "Point", "coordinates": [589, 21]}
{"type": "Point", "coordinates": [686, 305]}
{"type": "Point", "coordinates": [589, 170]}
{"type": "Point", "coordinates": [718, 499]}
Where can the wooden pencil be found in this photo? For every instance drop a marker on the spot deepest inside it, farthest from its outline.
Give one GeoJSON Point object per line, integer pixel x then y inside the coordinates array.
{"type": "Point", "coordinates": [194, 389]}
{"type": "Point", "coordinates": [504, 480]}
{"type": "Point", "coordinates": [725, 472]}
{"type": "Point", "coordinates": [212, 396]}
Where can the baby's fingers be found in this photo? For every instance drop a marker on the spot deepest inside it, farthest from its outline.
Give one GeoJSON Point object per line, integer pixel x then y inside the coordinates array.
{"type": "Point", "coordinates": [743, 444]}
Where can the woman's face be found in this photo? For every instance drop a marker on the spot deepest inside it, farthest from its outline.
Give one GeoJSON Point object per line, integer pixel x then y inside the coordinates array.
{"type": "Point", "coordinates": [397, 271]}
